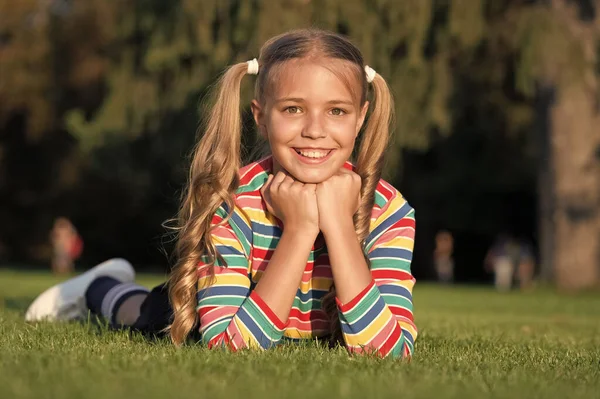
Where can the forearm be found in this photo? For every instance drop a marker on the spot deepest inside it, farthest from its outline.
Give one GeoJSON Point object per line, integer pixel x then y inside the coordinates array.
{"type": "Point", "coordinates": [350, 271]}
{"type": "Point", "coordinates": [378, 330]}
{"type": "Point", "coordinates": [279, 283]}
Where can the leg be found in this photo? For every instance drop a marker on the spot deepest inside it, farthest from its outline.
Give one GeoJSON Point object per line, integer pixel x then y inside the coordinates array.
{"type": "Point", "coordinates": [504, 275]}
{"type": "Point", "coordinates": [156, 313]}
{"type": "Point", "coordinates": [130, 305]}
{"type": "Point", "coordinates": [117, 302]}
{"type": "Point", "coordinates": [130, 310]}
{"type": "Point", "coordinates": [106, 290]}
{"type": "Point", "coordinates": [66, 301]}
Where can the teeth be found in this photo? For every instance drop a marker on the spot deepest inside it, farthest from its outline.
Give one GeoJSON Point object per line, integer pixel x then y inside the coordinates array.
{"type": "Point", "coordinates": [312, 154]}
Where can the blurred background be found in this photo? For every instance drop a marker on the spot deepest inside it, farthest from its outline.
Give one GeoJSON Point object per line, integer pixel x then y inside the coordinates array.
{"type": "Point", "coordinates": [496, 142]}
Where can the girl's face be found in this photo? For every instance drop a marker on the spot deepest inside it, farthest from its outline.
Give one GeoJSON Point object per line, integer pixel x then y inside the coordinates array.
{"type": "Point", "coordinates": [311, 119]}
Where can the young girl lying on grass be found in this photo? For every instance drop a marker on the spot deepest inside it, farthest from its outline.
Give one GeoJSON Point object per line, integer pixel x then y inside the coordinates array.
{"type": "Point", "coordinates": [300, 245]}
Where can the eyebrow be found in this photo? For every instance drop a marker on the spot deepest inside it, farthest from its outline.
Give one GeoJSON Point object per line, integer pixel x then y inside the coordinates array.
{"type": "Point", "coordinates": [290, 99]}
{"type": "Point", "coordinates": [336, 102]}
{"type": "Point", "coordinates": [299, 100]}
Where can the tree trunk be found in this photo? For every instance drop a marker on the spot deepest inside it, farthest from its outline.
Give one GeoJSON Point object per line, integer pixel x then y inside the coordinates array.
{"type": "Point", "coordinates": [575, 146]}
{"type": "Point", "coordinates": [575, 152]}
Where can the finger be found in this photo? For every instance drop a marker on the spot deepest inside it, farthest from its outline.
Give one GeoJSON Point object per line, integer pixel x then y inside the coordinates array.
{"type": "Point", "coordinates": [286, 184]}
{"type": "Point", "coordinates": [266, 195]}
{"type": "Point", "coordinates": [297, 185]}
{"type": "Point", "coordinates": [277, 180]}
{"type": "Point", "coordinates": [265, 190]}
{"type": "Point", "coordinates": [346, 172]}
{"type": "Point", "coordinates": [351, 176]}
{"type": "Point", "coordinates": [279, 177]}
{"type": "Point", "coordinates": [312, 190]}
{"type": "Point", "coordinates": [265, 187]}
{"type": "Point", "coordinates": [267, 184]}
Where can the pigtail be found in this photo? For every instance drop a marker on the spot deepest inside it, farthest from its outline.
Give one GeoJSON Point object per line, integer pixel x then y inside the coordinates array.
{"type": "Point", "coordinates": [370, 158]}
{"type": "Point", "coordinates": [213, 179]}
{"type": "Point", "coordinates": [369, 166]}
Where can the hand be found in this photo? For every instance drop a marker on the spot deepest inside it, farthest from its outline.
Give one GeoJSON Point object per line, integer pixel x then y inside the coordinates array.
{"type": "Point", "coordinates": [293, 202]}
{"type": "Point", "coordinates": [338, 199]}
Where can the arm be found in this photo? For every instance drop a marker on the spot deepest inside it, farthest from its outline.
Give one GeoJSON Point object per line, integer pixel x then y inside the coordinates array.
{"type": "Point", "coordinates": [279, 283]}
{"type": "Point", "coordinates": [233, 315]}
{"type": "Point", "coordinates": [375, 306]}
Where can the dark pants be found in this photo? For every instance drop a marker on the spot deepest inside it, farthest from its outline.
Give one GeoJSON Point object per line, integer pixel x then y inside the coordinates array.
{"type": "Point", "coordinates": [156, 314]}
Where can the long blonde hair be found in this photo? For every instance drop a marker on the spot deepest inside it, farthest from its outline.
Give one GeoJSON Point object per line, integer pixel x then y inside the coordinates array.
{"type": "Point", "coordinates": [213, 176]}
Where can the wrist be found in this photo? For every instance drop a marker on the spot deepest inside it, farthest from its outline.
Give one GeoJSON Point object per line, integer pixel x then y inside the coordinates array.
{"type": "Point", "coordinates": [301, 232]}
{"type": "Point", "coordinates": [337, 227]}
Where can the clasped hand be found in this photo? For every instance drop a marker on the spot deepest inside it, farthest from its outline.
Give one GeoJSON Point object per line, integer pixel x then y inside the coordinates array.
{"type": "Point", "coordinates": [313, 207]}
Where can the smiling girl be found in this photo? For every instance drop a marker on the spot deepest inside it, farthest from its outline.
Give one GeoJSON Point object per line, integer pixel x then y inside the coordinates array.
{"type": "Point", "coordinates": [302, 244]}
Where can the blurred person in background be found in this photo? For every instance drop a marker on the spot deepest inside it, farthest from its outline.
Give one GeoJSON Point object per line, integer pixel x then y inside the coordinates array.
{"type": "Point", "coordinates": [500, 260]}
{"type": "Point", "coordinates": [442, 256]}
{"type": "Point", "coordinates": [67, 246]}
{"type": "Point", "coordinates": [510, 259]}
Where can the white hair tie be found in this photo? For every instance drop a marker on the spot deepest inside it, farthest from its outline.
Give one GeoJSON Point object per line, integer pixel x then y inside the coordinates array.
{"type": "Point", "coordinates": [370, 73]}
{"type": "Point", "coordinates": [253, 67]}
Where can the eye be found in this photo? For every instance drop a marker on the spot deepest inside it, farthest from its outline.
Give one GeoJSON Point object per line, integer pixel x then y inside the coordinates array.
{"type": "Point", "coordinates": [338, 112]}
{"type": "Point", "coordinates": [292, 110]}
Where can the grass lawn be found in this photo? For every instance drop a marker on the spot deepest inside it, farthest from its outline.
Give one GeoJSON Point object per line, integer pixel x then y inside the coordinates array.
{"type": "Point", "coordinates": [473, 343]}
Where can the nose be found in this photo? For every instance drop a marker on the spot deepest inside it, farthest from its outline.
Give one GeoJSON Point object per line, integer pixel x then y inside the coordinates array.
{"type": "Point", "coordinates": [313, 128]}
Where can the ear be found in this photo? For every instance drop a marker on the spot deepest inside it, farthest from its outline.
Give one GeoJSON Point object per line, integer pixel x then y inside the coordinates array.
{"type": "Point", "coordinates": [361, 117]}
{"type": "Point", "coordinates": [259, 116]}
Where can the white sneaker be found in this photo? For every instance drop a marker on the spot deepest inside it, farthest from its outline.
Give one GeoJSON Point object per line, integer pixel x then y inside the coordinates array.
{"type": "Point", "coordinates": [66, 301]}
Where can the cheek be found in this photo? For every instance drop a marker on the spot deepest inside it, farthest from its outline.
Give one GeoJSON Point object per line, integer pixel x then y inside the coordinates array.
{"type": "Point", "coordinates": [343, 130]}
{"type": "Point", "coordinates": [281, 128]}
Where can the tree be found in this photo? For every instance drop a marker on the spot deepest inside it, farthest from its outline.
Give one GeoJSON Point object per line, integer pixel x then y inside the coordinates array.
{"type": "Point", "coordinates": [26, 62]}
{"type": "Point", "coordinates": [559, 63]}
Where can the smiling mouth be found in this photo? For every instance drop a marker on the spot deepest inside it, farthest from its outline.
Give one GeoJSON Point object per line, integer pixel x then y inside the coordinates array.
{"type": "Point", "coordinates": [314, 154]}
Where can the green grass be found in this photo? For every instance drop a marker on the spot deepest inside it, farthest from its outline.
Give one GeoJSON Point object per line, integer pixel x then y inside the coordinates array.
{"type": "Point", "coordinates": [473, 343]}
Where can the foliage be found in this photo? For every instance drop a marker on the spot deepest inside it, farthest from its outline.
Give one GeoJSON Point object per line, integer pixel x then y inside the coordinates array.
{"type": "Point", "coordinates": [104, 96]}
{"type": "Point", "coordinates": [153, 56]}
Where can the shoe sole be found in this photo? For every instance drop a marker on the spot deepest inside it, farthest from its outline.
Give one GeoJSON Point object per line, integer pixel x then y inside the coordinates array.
{"type": "Point", "coordinates": [45, 306]}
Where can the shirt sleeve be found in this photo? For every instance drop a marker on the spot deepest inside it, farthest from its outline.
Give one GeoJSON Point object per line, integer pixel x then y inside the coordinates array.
{"type": "Point", "coordinates": [380, 318]}
{"type": "Point", "coordinates": [231, 314]}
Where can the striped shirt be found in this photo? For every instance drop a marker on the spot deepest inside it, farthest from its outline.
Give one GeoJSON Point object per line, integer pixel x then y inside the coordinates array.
{"type": "Point", "coordinates": [379, 319]}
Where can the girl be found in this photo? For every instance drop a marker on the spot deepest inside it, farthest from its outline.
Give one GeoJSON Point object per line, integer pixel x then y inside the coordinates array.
{"type": "Point", "coordinates": [302, 244]}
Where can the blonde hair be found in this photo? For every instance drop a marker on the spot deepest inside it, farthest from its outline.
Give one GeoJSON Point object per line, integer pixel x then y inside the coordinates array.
{"type": "Point", "coordinates": [213, 176]}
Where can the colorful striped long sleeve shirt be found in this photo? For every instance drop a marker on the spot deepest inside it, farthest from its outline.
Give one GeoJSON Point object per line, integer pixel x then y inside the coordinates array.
{"type": "Point", "coordinates": [379, 319]}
